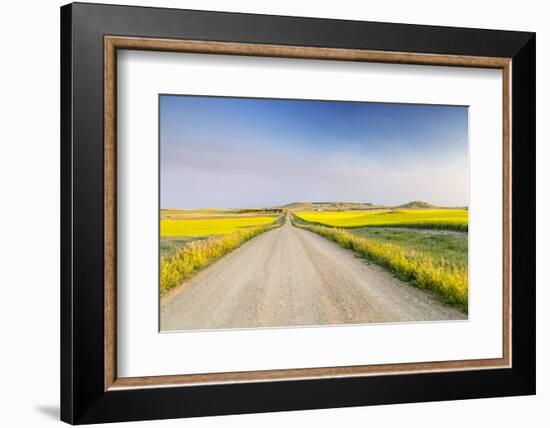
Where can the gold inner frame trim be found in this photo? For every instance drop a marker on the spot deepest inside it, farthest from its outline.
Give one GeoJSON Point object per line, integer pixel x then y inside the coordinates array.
{"type": "Point", "coordinates": [113, 43]}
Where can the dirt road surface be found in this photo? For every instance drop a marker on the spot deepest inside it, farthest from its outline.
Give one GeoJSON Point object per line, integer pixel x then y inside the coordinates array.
{"type": "Point", "coordinates": [292, 277]}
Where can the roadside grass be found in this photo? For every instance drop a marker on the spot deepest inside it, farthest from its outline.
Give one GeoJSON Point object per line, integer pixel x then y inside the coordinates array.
{"type": "Point", "coordinates": [170, 245]}
{"type": "Point", "coordinates": [451, 219]}
{"type": "Point", "coordinates": [195, 254]}
{"type": "Point", "coordinates": [448, 279]}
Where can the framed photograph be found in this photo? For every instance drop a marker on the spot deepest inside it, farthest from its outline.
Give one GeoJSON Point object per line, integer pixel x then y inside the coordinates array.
{"type": "Point", "coordinates": [265, 213]}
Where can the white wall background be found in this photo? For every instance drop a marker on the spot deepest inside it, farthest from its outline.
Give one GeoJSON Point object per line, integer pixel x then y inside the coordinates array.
{"type": "Point", "coordinates": [29, 217]}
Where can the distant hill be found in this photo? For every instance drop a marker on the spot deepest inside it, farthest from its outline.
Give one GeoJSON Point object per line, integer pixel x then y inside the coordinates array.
{"type": "Point", "coordinates": [336, 206]}
{"type": "Point", "coordinates": [417, 205]}
{"type": "Point", "coordinates": [312, 206]}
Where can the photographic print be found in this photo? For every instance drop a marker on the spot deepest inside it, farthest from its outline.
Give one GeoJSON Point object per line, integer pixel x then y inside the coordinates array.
{"type": "Point", "coordinates": [286, 212]}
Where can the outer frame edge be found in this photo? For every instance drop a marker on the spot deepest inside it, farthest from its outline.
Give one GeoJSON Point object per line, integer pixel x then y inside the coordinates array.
{"type": "Point", "coordinates": [66, 306]}
{"type": "Point", "coordinates": [524, 215]}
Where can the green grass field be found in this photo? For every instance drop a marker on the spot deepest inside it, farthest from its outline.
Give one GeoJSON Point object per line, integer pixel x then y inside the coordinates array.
{"type": "Point", "coordinates": [452, 219]}
{"type": "Point", "coordinates": [452, 247]}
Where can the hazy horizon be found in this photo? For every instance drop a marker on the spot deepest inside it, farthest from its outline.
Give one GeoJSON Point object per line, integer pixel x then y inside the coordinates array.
{"type": "Point", "coordinates": [221, 152]}
{"type": "Point", "coordinates": [309, 202]}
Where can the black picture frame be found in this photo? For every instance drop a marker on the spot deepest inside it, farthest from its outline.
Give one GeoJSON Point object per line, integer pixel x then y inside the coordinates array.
{"type": "Point", "coordinates": [83, 397]}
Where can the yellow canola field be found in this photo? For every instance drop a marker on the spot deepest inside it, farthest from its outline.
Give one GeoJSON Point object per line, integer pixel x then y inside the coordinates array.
{"type": "Point", "coordinates": [455, 219]}
{"type": "Point", "coordinates": [210, 226]}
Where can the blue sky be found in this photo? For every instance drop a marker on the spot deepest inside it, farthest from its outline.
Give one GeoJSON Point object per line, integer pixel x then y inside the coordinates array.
{"type": "Point", "coordinates": [245, 152]}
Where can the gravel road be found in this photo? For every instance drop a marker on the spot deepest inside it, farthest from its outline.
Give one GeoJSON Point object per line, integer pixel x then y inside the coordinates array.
{"type": "Point", "coordinates": [293, 277]}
